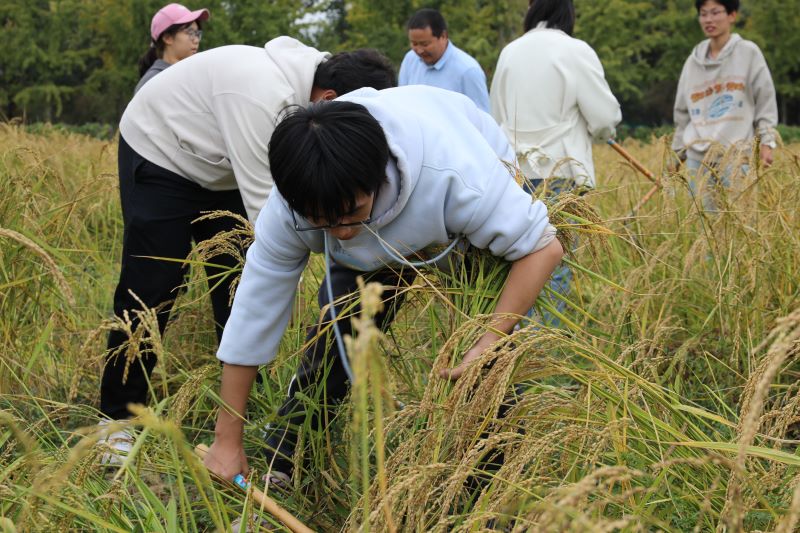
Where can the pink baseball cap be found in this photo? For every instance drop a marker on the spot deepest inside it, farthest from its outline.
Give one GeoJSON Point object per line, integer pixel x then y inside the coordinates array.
{"type": "Point", "coordinates": [174, 14]}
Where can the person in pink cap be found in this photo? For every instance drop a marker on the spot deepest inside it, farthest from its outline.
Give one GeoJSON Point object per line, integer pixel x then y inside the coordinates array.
{"type": "Point", "coordinates": [175, 32]}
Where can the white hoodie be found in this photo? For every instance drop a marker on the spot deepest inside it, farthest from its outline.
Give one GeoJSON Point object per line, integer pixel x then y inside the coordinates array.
{"type": "Point", "coordinates": [209, 117]}
{"type": "Point", "coordinates": [445, 177]}
{"type": "Point", "coordinates": [551, 98]}
{"type": "Point", "coordinates": [724, 100]}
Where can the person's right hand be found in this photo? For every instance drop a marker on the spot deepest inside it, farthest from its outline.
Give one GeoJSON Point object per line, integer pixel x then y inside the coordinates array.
{"type": "Point", "coordinates": [675, 164]}
{"type": "Point", "coordinates": [226, 459]}
{"type": "Point", "coordinates": [766, 156]}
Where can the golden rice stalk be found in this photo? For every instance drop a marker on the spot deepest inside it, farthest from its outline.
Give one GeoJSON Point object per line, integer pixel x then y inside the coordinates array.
{"type": "Point", "coordinates": [789, 522]}
{"type": "Point", "coordinates": [561, 505]}
{"type": "Point", "coordinates": [49, 262]}
{"type": "Point", "coordinates": [82, 369]}
{"type": "Point", "coordinates": [182, 400]}
{"type": "Point", "coordinates": [147, 328]}
{"type": "Point", "coordinates": [7, 526]}
{"type": "Point", "coordinates": [785, 342]}
{"type": "Point", "coordinates": [370, 372]}
{"type": "Point", "coordinates": [233, 242]}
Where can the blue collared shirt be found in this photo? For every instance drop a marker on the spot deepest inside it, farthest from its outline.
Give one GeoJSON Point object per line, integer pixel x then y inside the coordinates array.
{"type": "Point", "coordinates": [456, 71]}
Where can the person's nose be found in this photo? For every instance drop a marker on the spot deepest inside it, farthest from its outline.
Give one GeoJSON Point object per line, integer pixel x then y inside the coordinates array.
{"type": "Point", "coordinates": [344, 233]}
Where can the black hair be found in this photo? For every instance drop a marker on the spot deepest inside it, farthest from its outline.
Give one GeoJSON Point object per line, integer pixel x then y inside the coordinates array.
{"type": "Point", "coordinates": [156, 49]}
{"type": "Point", "coordinates": [323, 156]}
{"type": "Point", "coordinates": [729, 5]}
{"type": "Point", "coordinates": [427, 18]}
{"type": "Point", "coordinates": [348, 71]}
{"type": "Point", "coordinates": [559, 15]}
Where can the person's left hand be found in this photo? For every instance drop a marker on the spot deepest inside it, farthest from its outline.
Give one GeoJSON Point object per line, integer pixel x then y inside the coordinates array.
{"type": "Point", "coordinates": [473, 353]}
{"type": "Point", "coordinates": [766, 156]}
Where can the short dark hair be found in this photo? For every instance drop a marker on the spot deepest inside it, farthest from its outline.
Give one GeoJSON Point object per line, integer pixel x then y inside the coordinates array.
{"type": "Point", "coordinates": [324, 155]}
{"type": "Point", "coordinates": [348, 71]}
{"type": "Point", "coordinates": [729, 5]}
{"type": "Point", "coordinates": [559, 15]}
{"type": "Point", "coordinates": [427, 18]}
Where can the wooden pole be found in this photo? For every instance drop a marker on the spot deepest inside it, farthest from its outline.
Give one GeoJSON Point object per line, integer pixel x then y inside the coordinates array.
{"type": "Point", "coordinates": [632, 160]}
{"type": "Point", "coordinates": [641, 168]}
{"type": "Point", "coordinates": [644, 199]}
{"type": "Point", "coordinates": [270, 505]}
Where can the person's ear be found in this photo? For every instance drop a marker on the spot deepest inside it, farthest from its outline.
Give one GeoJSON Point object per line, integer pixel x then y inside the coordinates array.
{"type": "Point", "coordinates": [168, 39]}
{"type": "Point", "coordinates": [328, 94]}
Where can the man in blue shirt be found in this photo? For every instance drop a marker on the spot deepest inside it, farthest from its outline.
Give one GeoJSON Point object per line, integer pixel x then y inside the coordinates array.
{"type": "Point", "coordinates": [434, 60]}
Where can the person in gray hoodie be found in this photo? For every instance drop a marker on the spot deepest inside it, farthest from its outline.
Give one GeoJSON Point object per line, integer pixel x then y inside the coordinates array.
{"type": "Point", "coordinates": [374, 180]}
{"type": "Point", "coordinates": [725, 96]}
{"type": "Point", "coordinates": [192, 140]}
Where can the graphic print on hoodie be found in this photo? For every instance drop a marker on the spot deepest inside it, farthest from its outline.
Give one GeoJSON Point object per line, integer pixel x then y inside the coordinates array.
{"type": "Point", "coordinates": [727, 99]}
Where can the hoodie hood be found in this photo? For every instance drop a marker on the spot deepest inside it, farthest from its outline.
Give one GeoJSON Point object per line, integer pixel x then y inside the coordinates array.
{"type": "Point", "coordinates": [701, 57]}
{"type": "Point", "coordinates": [297, 62]}
{"type": "Point", "coordinates": [405, 162]}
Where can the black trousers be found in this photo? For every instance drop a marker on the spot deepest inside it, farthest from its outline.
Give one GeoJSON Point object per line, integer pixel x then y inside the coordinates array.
{"type": "Point", "coordinates": [158, 207]}
{"type": "Point", "coordinates": [321, 371]}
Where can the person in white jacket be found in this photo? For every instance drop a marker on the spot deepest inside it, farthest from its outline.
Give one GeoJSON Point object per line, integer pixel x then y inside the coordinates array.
{"type": "Point", "coordinates": [193, 140]}
{"type": "Point", "coordinates": [725, 96]}
{"type": "Point", "coordinates": [551, 99]}
{"type": "Point", "coordinates": [374, 178]}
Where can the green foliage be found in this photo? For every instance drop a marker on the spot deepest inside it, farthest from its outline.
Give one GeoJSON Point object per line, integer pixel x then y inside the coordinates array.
{"type": "Point", "coordinates": [379, 24]}
{"type": "Point", "coordinates": [91, 129]}
{"type": "Point", "coordinates": [773, 25]}
{"type": "Point", "coordinates": [642, 46]}
{"type": "Point", "coordinates": [789, 134]}
{"type": "Point", "coordinates": [75, 61]}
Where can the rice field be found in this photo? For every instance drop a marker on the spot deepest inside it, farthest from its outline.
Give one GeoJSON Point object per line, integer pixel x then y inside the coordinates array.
{"type": "Point", "coordinates": [669, 401]}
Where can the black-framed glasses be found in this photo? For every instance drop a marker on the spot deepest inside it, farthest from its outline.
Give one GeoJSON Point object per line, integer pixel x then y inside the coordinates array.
{"type": "Point", "coordinates": [365, 222]}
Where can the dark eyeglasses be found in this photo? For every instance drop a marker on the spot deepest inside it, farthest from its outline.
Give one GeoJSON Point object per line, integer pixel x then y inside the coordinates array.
{"type": "Point", "coordinates": [364, 222]}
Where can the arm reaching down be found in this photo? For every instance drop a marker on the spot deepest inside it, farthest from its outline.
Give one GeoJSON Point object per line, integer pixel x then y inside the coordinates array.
{"type": "Point", "coordinates": [525, 281]}
{"type": "Point", "coordinates": [226, 457]}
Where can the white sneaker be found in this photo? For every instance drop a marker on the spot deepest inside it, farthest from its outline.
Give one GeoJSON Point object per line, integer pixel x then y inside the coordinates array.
{"type": "Point", "coordinates": [277, 479]}
{"type": "Point", "coordinates": [118, 443]}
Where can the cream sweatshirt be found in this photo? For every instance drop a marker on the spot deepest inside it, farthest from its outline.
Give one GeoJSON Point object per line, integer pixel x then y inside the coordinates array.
{"type": "Point", "coordinates": [209, 117]}
{"type": "Point", "coordinates": [726, 100]}
{"type": "Point", "coordinates": [550, 97]}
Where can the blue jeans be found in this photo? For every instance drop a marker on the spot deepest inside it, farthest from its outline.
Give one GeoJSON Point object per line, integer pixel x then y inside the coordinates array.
{"type": "Point", "coordinates": [561, 280]}
{"type": "Point", "coordinates": [706, 177]}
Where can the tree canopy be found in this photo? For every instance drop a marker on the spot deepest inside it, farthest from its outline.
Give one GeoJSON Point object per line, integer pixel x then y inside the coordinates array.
{"type": "Point", "coordinates": [75, 60]}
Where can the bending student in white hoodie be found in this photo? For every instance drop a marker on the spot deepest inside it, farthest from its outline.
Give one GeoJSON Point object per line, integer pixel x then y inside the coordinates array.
{"type": "Point", "coordinates": [725, 95]}
{"type": "Point", "coordinates": [551, 98]}
{"type": "Point", "coordinates": [371, 177]}
{"type": "Point", "coordinates": [194, 139]}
